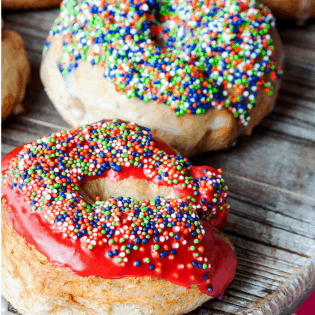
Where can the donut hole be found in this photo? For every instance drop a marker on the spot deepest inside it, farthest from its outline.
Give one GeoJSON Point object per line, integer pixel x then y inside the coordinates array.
{"type": "Point", "coordinates": [139, 189]}
{"type": "Point", "coordinates": [160, 42]}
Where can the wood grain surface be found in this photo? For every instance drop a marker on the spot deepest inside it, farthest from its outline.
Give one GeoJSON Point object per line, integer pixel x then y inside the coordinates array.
{"type": "Point", "coordinates": [271, 175]}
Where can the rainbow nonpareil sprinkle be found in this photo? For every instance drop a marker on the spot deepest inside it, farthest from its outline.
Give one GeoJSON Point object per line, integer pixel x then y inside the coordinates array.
{"type": "Point", "coordinates": [51, 169]}
{"type": "Point", "coordinates": [189, 55]}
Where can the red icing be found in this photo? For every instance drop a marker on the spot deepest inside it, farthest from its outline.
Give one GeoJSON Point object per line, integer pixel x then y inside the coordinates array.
{"type": "Point", "coordinates": [65, 252]}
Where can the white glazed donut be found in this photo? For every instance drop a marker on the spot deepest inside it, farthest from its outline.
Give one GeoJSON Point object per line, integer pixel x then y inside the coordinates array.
{"type": "Point", "coordinates": [198, 73]}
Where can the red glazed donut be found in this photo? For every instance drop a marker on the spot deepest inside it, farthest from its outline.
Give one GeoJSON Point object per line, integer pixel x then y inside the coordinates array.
{"type": "Point", "coordinates": [197, 73]}
{"type": "Point", "coordinates": [166, 242]}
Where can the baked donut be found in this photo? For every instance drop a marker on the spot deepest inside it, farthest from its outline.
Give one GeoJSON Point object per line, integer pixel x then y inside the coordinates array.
{"type": "Point", "coordinates": [28, 4]}
{"type": "Point", "coordinates": [15, 71]}
{"type": "Point", "coordinates": [299, 9]}
{"type": "Point", "coordinates": [65, 251]}
{"type": "Point", "coordinates": [198, 73]}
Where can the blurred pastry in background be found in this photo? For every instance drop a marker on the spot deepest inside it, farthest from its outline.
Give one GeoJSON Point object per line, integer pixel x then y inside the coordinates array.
{"type": "Point", "coordinates": [15, 71]}
{"type": "Point", "coordinates": [30, 4]}
{"type": "Point", "coordinates": [298, 9]}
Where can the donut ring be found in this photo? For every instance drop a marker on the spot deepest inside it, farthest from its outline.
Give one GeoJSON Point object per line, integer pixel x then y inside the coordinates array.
{"type": "Point", "coordinates": [193, 76]}
{"type": "Point", "coordinates": [164, 238]}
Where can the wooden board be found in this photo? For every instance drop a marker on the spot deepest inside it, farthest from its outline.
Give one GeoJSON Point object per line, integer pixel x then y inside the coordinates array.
{"type": "Point", "coordinates": [271, 175]}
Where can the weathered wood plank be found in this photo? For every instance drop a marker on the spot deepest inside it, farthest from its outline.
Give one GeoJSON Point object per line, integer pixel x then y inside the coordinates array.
{"type": "Point", "coordinates": [273, 198]}
{"type": "Point", "coordinates": [271, 175]}
{"type": "Point", "coordinates": [299, 36]}
{"type": "Point", "coordinates": [272, 264]}
{"type": "Point", "coordinates": [297, 88]}
{"type": "Point", "coordinates": [273, 273]}
{"type": "Point", "coordinates": [241, 295]}
{"type": "Point", "coordinates": [223, 305]}
{"type": "Point", "coordinates": [294, 260]}
{"type": "Point", "coordinates": [44, 19]}
{"type": "Point", "coordinates": [261, 282]}
{"type": "Point", "coordinates": [269, 157]}
{"type": "Point", "coordinates": [296, 69]}
{"type": "Point", "coordinates": [302, 111]}
{"type": "Point", "coordinates": [207, 312]}
{"type": "Point", "coordinates": [266, 234]}
{"type": "Point", "coordinates": [275, 219]}
{"type": "Point", "coordinates": [17, 137]}
{"type": "Point", "coordinates": [254, 269]}
{"type": "Point", "coordinates": [297, 53]}
{"type": "Point", "coordinates": [248, 288]}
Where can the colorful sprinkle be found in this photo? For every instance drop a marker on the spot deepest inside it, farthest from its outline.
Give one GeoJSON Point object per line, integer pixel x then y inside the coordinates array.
{"type": "Point", "coordinates": [190, 55]}
{"type": "Point", "coordinates": [51, 169]}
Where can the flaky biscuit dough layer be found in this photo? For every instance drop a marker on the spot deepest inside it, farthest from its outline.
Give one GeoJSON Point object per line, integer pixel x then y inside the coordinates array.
{"type": "Point", "coordinates": [36, 287]}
